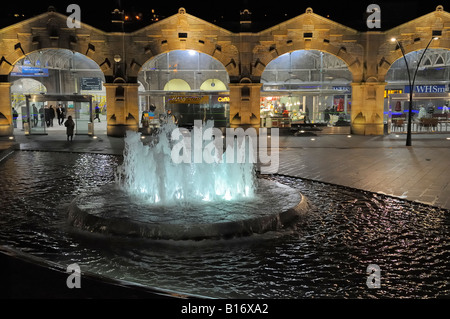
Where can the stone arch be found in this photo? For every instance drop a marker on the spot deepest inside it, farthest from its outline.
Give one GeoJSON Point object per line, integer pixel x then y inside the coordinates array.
{"type": "Point", "coordinates": [430, 59]}
{"type": "Point", "coordinates": [55, 49]}
{"type": "Point", "coordinates": [33, 86]}
{"type": "Point", "coordinates": [49, 31]}
{"type": "Point", "coordinates": [177, 85]}
{"type": "Point", "coordinates": [23, 86]}
{"type": "Point", "coordinates": [213, 84]}
{"type": "Point", "coordinates": [187, 50]}
{"type": "Point", "coordinates": [273, 52]}
{"type": "Point", "coordinates": [227, 55]}
{"type": "Point", "coordinates": [396, 54]}
{"type": "Point", "coordinates": [414, 35]}
{"type": "Point", "coordinates": [296, 50]}
{"type": "Point", "coordinates": [186, 33]}
{"type": "Point", "coordinates": [100, 65]}
{"type": "Point", "coordinates": [58, 58]}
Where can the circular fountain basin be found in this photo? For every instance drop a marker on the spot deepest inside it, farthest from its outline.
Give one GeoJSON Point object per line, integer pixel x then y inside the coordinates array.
{"type": "Point", "coordinates": [110, 210]}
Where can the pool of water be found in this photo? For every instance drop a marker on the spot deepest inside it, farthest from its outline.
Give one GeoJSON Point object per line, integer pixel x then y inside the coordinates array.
{"type": "Point", "coordinates": [324, 255]}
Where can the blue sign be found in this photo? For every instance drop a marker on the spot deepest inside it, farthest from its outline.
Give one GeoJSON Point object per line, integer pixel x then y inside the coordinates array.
{"type": "Point", "coordinates": [427, 88]}
{"type": "Point", "coordinates": [30, 71]}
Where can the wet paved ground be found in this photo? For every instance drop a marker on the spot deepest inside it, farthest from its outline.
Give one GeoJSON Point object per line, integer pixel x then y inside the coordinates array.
{"type": "Point", "coordinates": [381, 164]}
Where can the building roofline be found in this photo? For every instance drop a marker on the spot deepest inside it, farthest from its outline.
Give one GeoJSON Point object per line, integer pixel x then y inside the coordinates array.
{"type": "Point", "coordinates": [274, 27]}
{"type": "Point", "coordinates": [47, 14]}
{"type": "Point", "coordinates": [439, 9]}
{"type": "Point", "coordinates": [174, 16]}
{"type": "Point", "coordinates": [308, 12]}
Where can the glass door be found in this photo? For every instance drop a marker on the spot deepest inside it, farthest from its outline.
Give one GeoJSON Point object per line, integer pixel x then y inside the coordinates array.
{"type": "Point", "coordinates": [36, 117]}
{"type": "Point", "coordinates": [83, 116]}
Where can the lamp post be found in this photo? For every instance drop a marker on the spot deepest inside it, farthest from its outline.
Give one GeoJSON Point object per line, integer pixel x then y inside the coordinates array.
{"type": "Point", "coordinates": [411, 86]}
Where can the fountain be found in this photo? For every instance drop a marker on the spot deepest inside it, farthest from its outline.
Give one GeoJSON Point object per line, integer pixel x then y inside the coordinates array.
{"type": "Point", "coordinates": [163, 191]}
{"type": "Point", "coordinates": [323, 255]}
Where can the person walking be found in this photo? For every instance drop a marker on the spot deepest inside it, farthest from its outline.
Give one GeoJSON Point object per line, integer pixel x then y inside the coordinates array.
{"type": "Point", "coordinates": [42, 115]}
{"type": "Point", "coordinates": [35, 116]}
{"type": "Point", "coordinates": [445, 108]}
{"type": "Point", "coordinates": [97, 113]}
{"type": "Point", "coordinates": [15, 116]}
{"type": "Point", "coordinates": [70, 126]}
{"type": "Point", "coordinates": [59, 114]}
{"type": "Point", "coordinates": [47, 116]}
{"type": "Point", "coordinates": [52, 115]}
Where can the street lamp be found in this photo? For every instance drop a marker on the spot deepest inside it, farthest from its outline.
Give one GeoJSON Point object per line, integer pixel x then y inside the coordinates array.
{"type": "Point", "coordinates": [411, 84]}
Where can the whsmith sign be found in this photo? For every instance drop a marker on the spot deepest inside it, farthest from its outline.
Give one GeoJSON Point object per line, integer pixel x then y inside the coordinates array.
{"type": "Point", "coordinates": [426, 89]}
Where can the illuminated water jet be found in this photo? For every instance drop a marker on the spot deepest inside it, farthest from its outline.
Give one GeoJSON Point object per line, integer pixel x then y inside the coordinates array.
{"type": "Point", "coordinates": [149, 171]}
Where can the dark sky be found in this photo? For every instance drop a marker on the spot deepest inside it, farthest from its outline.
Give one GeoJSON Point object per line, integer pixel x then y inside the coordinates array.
{"type": "Point", "coordinates": [226, 13]}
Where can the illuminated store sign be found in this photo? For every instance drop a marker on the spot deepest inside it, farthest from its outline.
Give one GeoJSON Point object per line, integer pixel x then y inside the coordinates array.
{"type": "Point", "coordinates": [223, 99]}
{"type": "Point", "coordinates": [426, 89]}
{"type": "Point", "coordinates": [394, 91]}
{"type": "Point", "coordinates": [182, 99]}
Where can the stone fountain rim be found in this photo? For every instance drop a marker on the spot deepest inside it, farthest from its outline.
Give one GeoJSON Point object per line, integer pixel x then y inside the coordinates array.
{"type": "Point", "coordinates": [164, 231]}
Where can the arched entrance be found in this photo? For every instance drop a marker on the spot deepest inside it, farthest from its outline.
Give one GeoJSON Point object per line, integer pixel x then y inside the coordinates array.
{"type": "Point", "coordinates": [19, 90]}
{"type": "Point", "coordinates": [193, 85]}
{"type": "Point", "coordinates": [306, 87]}
{"type": "Point", "coordinates": [431, 96]}
{"type": "Point", "coordinates": [57, 74]}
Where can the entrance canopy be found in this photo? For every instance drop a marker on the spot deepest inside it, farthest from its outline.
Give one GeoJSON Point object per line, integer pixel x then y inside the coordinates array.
{"type": "Point", "coordinates": [39, 109]}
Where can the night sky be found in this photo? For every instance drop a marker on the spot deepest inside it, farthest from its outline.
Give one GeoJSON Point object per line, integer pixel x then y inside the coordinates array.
{"type": "Point", "coordinates": [226, 13]}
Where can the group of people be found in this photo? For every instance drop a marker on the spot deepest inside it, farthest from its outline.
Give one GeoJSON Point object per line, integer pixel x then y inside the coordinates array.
{"type": "Point", "coordinates": [149, 115]}
{"type": "Point", "coordinates": [47, 115]}
{"type": "Point", "coordinates": [427, 112]}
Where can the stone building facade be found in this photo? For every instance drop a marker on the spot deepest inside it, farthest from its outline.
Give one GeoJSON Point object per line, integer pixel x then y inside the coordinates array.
{"type": "Point", "coordinates": [244, 55]}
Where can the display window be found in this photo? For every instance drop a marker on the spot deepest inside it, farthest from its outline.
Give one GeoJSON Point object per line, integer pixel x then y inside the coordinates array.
{"type": "Point", "coordinates": [306, 88]}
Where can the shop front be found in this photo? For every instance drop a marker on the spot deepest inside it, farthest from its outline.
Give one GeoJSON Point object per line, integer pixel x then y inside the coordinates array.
{"type": "Point", "coordinates": [190, 84]}
{"type": "Point", "coordinates": [185, 107]}
{"type": "Point", "coordinates": [431, 97]}
{"type": "Point", "coordinates": [306, 89]}
{"type": "Point", "coordinates": [306, 105]}
{"type": "Point", "coordinates": [430, 113]}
